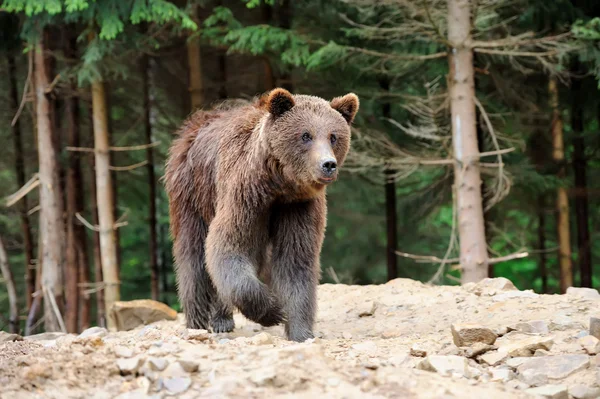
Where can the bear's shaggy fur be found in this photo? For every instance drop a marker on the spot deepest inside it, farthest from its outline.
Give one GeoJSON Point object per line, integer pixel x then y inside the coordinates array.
{"type": "Point", "coordinates": [246, 189]}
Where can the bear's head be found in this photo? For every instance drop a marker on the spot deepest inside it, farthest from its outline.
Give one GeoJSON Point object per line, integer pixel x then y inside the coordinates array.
{"type": "Point", "coordinates": [308, 136]}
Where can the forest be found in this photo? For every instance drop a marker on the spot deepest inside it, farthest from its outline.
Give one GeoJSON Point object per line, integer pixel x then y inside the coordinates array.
{"type": "Point", "coordinates": [474, 153]}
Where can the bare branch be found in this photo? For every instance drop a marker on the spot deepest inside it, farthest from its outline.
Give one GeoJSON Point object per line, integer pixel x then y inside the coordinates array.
{"type": "Point", "coordinates": [506, 258]}
{"type": "Point", "coordinates": [129, 167]}
{"type": "Point", "coordinates": [34, 210]}
{"type": "Point", "coordinates": [25, 89]}
{"type": "Point", "coordinates": [425, 258]}
{"type": "Point", "coordinates": [128, 148]}
{"type": "Point", "coordinates": [23, 191]}
{"type": "Point", "coordinates": [86, 223]}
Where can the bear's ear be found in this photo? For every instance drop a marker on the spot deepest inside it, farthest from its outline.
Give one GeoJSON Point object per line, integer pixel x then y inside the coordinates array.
{"type": "Point", "coordinates": [278, 102]}
{"type": "Point", "coordinates": [346, 105]}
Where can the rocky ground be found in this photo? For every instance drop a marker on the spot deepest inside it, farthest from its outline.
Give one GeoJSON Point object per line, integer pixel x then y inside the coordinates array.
{"type": "Point", "coordinates": [398, 340]}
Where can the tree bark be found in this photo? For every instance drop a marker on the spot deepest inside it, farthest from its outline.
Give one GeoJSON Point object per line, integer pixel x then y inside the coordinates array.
{"type": "Point", "coordinates": [154, 272]}
{"type": "Point", "coordinates": [20, 173]}
{"type": "Point", "coordinates": [13, 318]}
{"type": "Point", "coordinates": [584, 248]}
{"type": "Point", "coordinates": [542, 242]}
{"type": "Point", "coordinates": [562, 201]}
{"type": "Point", "coordinates": [51, 213]}
{"type": "Point", "coordinates": [104, 195]}
{"type": "Point", "coordinates": [195, 68]}
{"type": "Point", "coordinates": [467, 179]}
{"type": "Point", "coordinates": [390, 201]}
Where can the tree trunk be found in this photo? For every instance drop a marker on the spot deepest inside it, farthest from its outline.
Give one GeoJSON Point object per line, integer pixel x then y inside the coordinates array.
{"type": "Point", "coordinates": [51, 213]}
{"type": "Point", "coordinates": [390, 200]}
{"type": "Point", "coordinates": [100, 317]}
{"type": "Point", "coordinates": [284, 15]}
{"type": "Point", "coordinates": [13, 318]}
{"type": "Point", "coordinates": [562, 201]}
{"type": "Point", "coordinates": [154, 273]}
{"type": "Point", "coordinates": [269, 78]}
{"type": "Point", "coordinates": [104, 195]}
{"type": "Point", "coordinates": [542, 242]}
{"type": "Point", "coordinates": [20, 172]}
{"type": "Point", "coordinates": [584, 249]}
{"type": "Point", "coordinates": [164, 271]}
{"type": "Point", "coordinates": [467, 179]}
{"type": "Point", "coordinates": [195, 68]}
{"type": "Point", "coordinates": [37, 300]}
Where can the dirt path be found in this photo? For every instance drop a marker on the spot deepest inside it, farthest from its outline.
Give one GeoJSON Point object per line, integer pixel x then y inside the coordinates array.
{"type": "Point", "coordinates": [387, 341]}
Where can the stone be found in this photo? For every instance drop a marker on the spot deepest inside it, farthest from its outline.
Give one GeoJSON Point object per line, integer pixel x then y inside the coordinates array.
{"type": "Point", "coordinates": [532, 327]}
{"type": "Point", "coordinates": [367, 309]}
{"type": "Point", "coordinates": [590, 344]}
{"type": "Point", "coordinates": [446, 365]}
{"type": "Point", "coordinates": [494, 358]}
{"type": "Point", "coordinates": [468, 334]}
{"type": "Point", "coordinates": [188, 365]}
{"type": "Point", "coordinates": [516, 361]}
{"type": "Point", "coordinates": [501, 375]}
{"type": "Point", "coordinates": [123, 351]}
{"type": "Point", "coordinates": [93, 332]}
{"type": "Point", "coordinates": [347, 335]}
{"type": "Point", "coordinates": [177, 385]}
{"type": "Point", "coordinates": [533, 378]}
{"type": "Point", "coordinates": [131, 314]}
{"type": "Point", "coordinates": [563, 322]}
{"type": "Point", "coordinates": [526, 347]}
{"type": "Point", "coordinates": [514, 294]}
{"type": "Point", "coordinates": [516, 384]}
{"type": "Point", "coordinates": [262, 339]}
{"type": "Point", "coordinates": [46, 336]}
{"type": "Point", "coordinates": [130, 366]}
{"type": "Point", "coordinates": [174, 370]}
{"type": "Point", "coordinates": [157, 363]}
{"type": "Point", "coordinates": [582, 292]}
{"type": "Point", "coordinates": [584, 392]}
{"type": "Point", "coordinates": [368, 347]}
{"type": "Point", "coordinates": [490, 286]}
{"type": "Point", "coordinates": [263, 376]}
{"type": "Point", "coordinates": [595, 326]}
{"type": "Point", "coordinates": [196, 335]}
{"type": "Point", "coordinates": [477, 349]}
{"type": "Point", "coordinates": [556, 366]}
{"type": "Point", "coordinates": [550, 391]}
{"type": "Point", "coordinates": [540, 352]}
{"type": "Point", "coordinates": [417, 351]}
{"type": "Point", "coordinates": [8, 337]}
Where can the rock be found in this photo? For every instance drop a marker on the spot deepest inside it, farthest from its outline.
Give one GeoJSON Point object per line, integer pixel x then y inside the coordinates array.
{"type": "Point", "coordinates": [347, 335]}
{"type": "Point", "coordinates": [494, 358]}
{"type": "Point", "coordinates": [368, 347]}
{"type": "Point", "coordinates": [590, 344]}
{"type": "Point", "coordinates": [540, 352]}
{"type": "Point", "coordinates": [533, 378]}
{"type": "Point", "coordinates": [417, 351]}
{"type": "Point", "coordinates": [516, 362]}
{"type": "Point", "coordinates": [557, 366]}
{"type": "Point", "coordinates": [582, 292]}
{"type": "Point", "coordinates": [514, 294]}
{"type": "Point", "coordinates": [367, 309]}
{"type": "Point", "coordinates": [46, 336]}
{"type": "Point", "coordinates": [123, 351]}
{"type": "Point", "coordinates": [469, 334]}
{"type": "Point", "coordinates": [595, 327]}
{"type": "Point", "coordinates": [188, 365]}
{"type": "Point", "coordinates": [130, 366]}
{"type": "Point", "coordinates": [490, 286]}
{"type": "Point", "coordinates": [130, 314]}
{"type": "Point", "coordinates": [196, 335]}
{"type": "Point", "coordinates": [174, 370]}
{"type": "Point", "coordinates": [526, 347]}
{"type": "Point", "coordinates": [177, 385]}
{"type": "Point", "coordinates": [532, 327]}
{"type": "Point", "coordinates": [550, 391]}
{"type": "Point", "coordinates": [516, 384]}
{"type": "Point", "coordinates": [446, 365]}
{"type": "Point", "coordinates": [261, 339]}
{"type": "Point", "coordinates": [157, 363]}
{"type": "Point", "coordinates": [563, 322]}
{"type": "Point", "coordinates": [7, 337]}
{"type": "Point", "coordinates": [584, 392]}
{"type": "Point", "coordinates": [501, 375]}
{"type": "Point", "coordinates": [477, 349]}
{"type": "Point", "coordinates": [93, 332]}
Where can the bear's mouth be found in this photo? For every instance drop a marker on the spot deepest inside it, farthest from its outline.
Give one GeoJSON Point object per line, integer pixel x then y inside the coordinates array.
{"type": "Point", "coordinates": [326, 180]}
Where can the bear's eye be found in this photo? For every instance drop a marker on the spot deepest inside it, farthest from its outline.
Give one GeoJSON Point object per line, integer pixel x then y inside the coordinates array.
{"type": "Point", "coordinates": [333, 138]}
{"type": "Point", "coordinates": [306, 137]}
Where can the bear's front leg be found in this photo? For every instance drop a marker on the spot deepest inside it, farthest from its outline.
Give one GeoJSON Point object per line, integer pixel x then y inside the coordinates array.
{"type": "Point", "coordinates": [233, 249]}
{"type": "Point", "coordinates": [297, 232]}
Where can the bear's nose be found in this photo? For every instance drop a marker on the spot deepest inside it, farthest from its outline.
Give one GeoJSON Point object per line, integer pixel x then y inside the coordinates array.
{"type": "Point", "coordinates": [329, 166]}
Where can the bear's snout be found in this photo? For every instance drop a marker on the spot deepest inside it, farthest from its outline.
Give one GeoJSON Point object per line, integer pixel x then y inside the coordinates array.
{"type": "Point", "coordinates": [328, 166]}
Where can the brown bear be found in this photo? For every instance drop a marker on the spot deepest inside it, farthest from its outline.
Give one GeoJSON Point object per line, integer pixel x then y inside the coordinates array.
{"type": "Point", "coordinates": [246, 189]}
